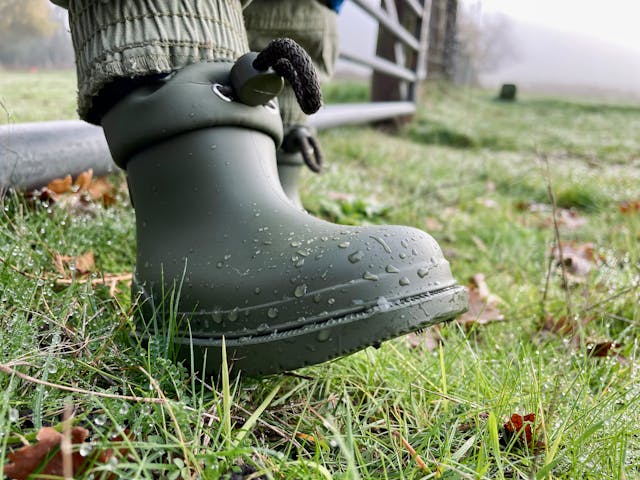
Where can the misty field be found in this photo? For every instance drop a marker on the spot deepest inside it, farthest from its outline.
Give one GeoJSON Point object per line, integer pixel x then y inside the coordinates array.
{"type": "Point", "coordinates": [535, 203]}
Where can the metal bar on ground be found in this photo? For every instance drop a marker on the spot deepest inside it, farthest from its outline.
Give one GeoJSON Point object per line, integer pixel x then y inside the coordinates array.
{"type": "Point", "coordinates": [32, 154]}
{"type": "Point", "coordinates": [381, 65]}
{"type": "Point", "coordinates": [384, 20]}
{"type": "Point", "coordinates": [355, 113]}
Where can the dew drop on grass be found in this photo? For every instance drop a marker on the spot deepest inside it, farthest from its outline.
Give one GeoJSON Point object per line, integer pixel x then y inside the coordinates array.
{"type": "Point", "coordinates": [100, 420]}
{"type": "Point", "coordinates": [85, 449]}
{"type": "Point", "coordinates": [14, 415]}
{"type": "Point", "coordinates": [52, 368]}
{"type": "Point", "coordinates": [124, 409]}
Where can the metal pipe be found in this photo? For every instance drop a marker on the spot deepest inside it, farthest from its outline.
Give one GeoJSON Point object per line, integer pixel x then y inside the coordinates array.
{"type": "Point", "coordinates": [381, 65]}
{"type": "Point", "coordinates": [32, 154]}
{"type": "Point", "coordinates": [355, 113]}
{"type": "Point", "coordinates": [384, 20]}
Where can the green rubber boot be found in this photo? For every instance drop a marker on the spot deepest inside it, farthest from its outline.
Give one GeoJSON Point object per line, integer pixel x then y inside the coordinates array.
{"type": "Point", "coordinates": [299, 148]}
{"type": "Point", "coordinates": [215, 228]}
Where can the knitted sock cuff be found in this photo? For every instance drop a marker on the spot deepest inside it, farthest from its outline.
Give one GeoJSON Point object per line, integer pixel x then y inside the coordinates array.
{"type": "Point", "coordinates": [132, 38]}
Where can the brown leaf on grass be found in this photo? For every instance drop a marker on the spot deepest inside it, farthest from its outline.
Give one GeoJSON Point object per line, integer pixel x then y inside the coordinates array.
{"type": "Point", "coordinates": [564, 326]}
{"type": "Point", "coordinates": [82, 264]}
{"type": "Point", "coordinates": [579, 259]}
{"type": "Point", "coordinates": [629, 206]}
{"type": "Point", "coordinates": [46, 457]}
{"type": "Point", "coordinates": [78, 195]}
{"type": "Point", "coordinates": [483, 305]}
{"type": "Point", "coordinates": [523, 430]}
{"type": "Point", "coordinates": [603, 349]}
{"type": "Point", "coordinates": [60, 185]}
{"type": "Point", "coordinates": [428, 339]}
{"type": "Point", "coordinates": [433, 224]}
{"type": "Point", "coordinates": [567, 218]}
{"type": "Point", "coordinates": [83, 181]}
{"type": "Point", "coordinates": [26, 460]}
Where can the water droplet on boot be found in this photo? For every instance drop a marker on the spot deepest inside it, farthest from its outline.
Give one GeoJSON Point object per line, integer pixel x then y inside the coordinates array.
{"type": "Point", "coordinates": [344, 244]}
{"type": "Point", "coordinates": [300, 263]}
{"type": "Point", "coordinates": [403, 255]}
{"type": "Point", "coordinates": [392, 269]}
{"type": "Point", "coordinates": [257, 291]}
{"type": "Point", "coordinates": [272, 312]}
{"type": "Point", "coordinates": [355, 257]}
{"type": "Point", "coordinates": [323, 335]}
{"type": "Point", "coordinates": [423, 272]}
{"type": "Point", "coordinates": [369, 276]}
{"type": "Point", "coordinates": [317, 298]}
{"type": "Point", "coordinates": [331, 301]}
{"type": "Point", "coordinates": [404, 281]}
{"type": "Point", "coordinates": [383, 304]}
{"type": "Point", "coordinates": [233, 314]}
{"type": "Point", "coordinates": [382, 243]}
{"type": "Point", "coordinates": [404, 244]}
{"type": "Point", "coordinates": [300, 290]}
{"type": "Point", "coordinates": [295, 244]}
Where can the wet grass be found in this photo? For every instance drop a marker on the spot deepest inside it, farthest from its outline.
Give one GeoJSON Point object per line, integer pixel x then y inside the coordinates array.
{"type": "Point", "coordinates": [353, 418]}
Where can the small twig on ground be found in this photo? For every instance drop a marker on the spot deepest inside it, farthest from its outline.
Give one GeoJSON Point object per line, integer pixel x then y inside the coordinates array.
{"type": "Point", "coordinates": [557, 240]}
{"type": "Point", "coordinates": [412, 452]}
{"type": "Point", "coordinates": [65, 443]}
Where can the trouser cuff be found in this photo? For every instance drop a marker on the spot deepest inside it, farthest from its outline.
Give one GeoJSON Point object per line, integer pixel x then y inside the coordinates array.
{"type": "Point", "coordinates": [137, 38]}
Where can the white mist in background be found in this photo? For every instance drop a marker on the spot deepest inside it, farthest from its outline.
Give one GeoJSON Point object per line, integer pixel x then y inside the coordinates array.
{"type": "Point", "coordinates": [580, 47]}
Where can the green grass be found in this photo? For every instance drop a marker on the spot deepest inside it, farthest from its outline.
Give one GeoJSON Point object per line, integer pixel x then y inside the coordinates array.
{"type": "Point", "coordinates": [466, 164]}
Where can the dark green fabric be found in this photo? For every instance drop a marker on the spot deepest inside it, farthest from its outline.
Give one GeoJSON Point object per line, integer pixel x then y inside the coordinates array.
{"type": "Point", "coordinates": [130, 38]}
{"type": "Point", "coordinates": [310, 24]}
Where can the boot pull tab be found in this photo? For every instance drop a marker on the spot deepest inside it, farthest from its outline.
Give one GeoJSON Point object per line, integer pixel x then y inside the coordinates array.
{"type": "Point", "coordinates": [251, 86]}
{"type": "Point", "coordinates": [300, 139]}
{"type": "Point", "coordinates": [253, 82]}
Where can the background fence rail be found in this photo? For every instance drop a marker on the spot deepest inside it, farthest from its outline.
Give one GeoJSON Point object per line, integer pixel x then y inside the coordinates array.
{"type": "Point", "coordinates": [33, 153]}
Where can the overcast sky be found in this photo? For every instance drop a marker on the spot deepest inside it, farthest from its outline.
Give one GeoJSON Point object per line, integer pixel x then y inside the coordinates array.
{"type": "Point", "coordinates": [612, 21]}
{"type": "Point", "coordinates": [557, 44]}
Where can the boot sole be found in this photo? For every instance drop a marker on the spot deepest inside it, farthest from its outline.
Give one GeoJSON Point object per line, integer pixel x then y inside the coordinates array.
{"type": "Point", "coordinates": [315, 343]}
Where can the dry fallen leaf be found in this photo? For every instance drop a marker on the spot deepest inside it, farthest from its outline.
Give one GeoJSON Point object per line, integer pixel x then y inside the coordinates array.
{"type": "Point", "coordinates": [603, 349]}
{"type": "Point", "coordinates": [26, 460]}
{"type": "Point", "coordinates": [630, 206]}
{"type": "Point", "coordinates": [78, 195]}
{"type": "Point", "coordinates": [83, 180]}
{"type": "Point", "coordinates": [521, 428]}
{"type": "Point", "coordinates": [433, 225]}
{"type": "Point", "coordinates": [578, 258]}
{"type": "Point", "coordinates": [82, 264]}
{"type": "Point", "coordinates": [483, 305]}
{"type": "Point", "coordinates": [45, 459]}
{"type": "Point", "coordinates": [428, 338]}
{"type": "Point", "coordinates": [60, 185]}
{"type": "Point", "coordinates": [568, 218]}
